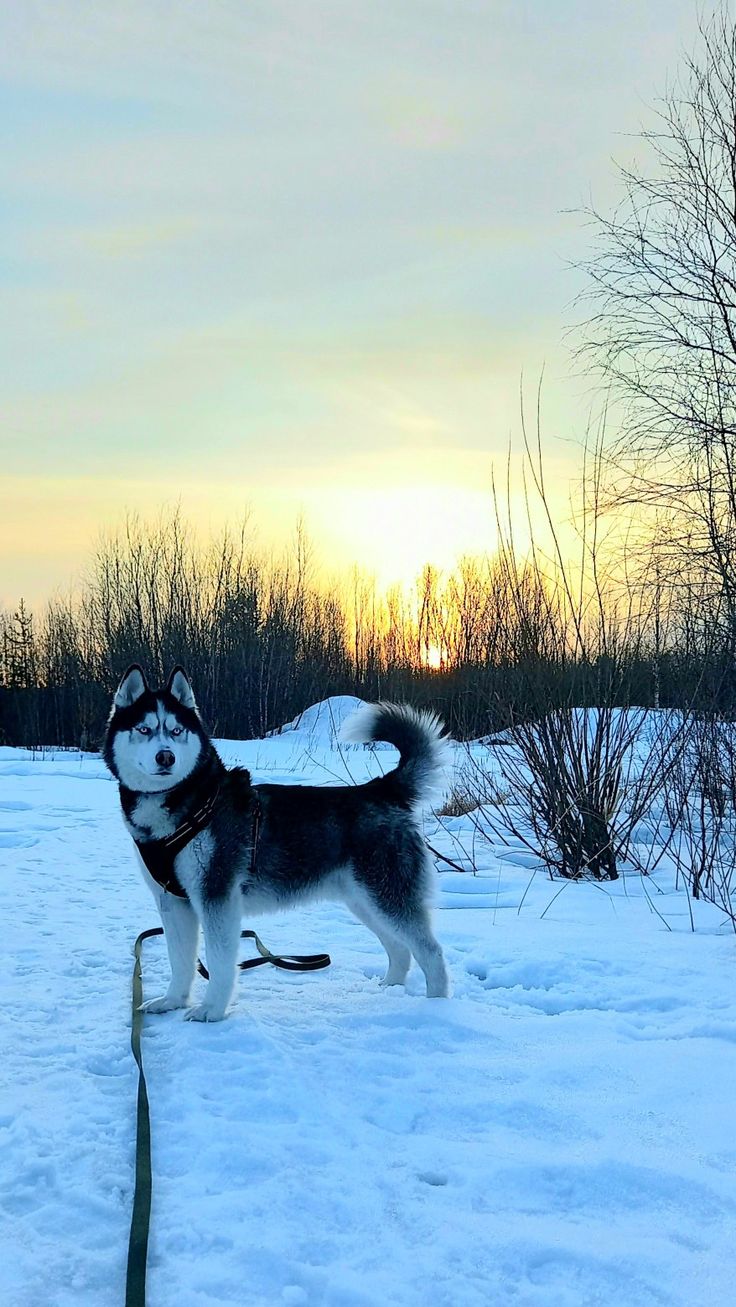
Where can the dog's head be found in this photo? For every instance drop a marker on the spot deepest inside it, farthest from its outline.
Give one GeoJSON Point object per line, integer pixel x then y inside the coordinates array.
{"type": "Point", "coordinates": [155, 738]}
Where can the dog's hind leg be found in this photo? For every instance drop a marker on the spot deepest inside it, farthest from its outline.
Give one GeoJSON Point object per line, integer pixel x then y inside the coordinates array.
{"type": "Point", "coordinates": [396, 885]}
{"type": "Point", "coordinates": [416, 931]}
{"type": "Point", "coordinates": [221, 926]}
{"type": "Point", "coordinates": [181, 931]}
{"type": "Point", "coordinates": [399, 956]}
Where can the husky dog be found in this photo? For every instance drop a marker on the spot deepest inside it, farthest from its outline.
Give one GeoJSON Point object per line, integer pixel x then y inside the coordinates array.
{"type": "Point", "coordinates": [212, 846]}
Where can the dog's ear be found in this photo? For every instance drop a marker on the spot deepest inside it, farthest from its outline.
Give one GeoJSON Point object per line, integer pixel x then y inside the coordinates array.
{"type": "Point", "coordinates": [132, 686]}
{"type": "Point", "coordinates": [179, 685]}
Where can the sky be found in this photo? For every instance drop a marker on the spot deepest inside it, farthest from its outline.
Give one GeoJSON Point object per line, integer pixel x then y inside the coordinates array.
{"type": "Point", "coordinates": [294, 258]}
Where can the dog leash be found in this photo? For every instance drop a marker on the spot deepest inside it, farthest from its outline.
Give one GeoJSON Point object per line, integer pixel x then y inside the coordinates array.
{"type": "Point", "coordinates": [285, 961]}
{"type": "Point", "coordinates": [135, 1280]}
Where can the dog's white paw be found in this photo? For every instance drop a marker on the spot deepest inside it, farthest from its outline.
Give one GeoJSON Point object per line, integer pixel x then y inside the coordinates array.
{"type": "Point", "coordinates": [166, 1003]}
{"type": "Point", "coordinates": [205, 1012]}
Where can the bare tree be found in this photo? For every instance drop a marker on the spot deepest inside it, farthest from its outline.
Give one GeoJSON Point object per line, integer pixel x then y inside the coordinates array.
{"type": "Point", "coordinates": [663, 326]}
{"type": "Point", "coordinates": [581, 761]}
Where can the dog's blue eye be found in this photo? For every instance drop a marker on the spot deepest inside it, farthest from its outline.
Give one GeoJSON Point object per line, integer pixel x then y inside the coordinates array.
{"type": "Point", "coordinates": [144, 730]}
{"type": "Point", "coordinates": [177, 730]}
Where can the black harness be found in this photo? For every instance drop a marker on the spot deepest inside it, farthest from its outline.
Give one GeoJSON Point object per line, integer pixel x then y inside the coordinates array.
{"type": "Point", "coordinates": [159, 855]}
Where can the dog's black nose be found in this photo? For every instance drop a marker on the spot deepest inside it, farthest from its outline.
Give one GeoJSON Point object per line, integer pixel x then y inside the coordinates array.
{"type": "Point", "coordinates": [165, 758]}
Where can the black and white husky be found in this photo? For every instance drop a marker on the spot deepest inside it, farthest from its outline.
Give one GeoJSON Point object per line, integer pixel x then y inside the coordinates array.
{"type": "Point", "coordinates": [212, 846]}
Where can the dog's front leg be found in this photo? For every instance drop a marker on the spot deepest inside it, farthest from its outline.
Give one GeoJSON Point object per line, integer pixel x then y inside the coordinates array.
{"type": "Point", "coordinates": [221, 925]}
{"type": "Point", "coordinates": [181, 931]}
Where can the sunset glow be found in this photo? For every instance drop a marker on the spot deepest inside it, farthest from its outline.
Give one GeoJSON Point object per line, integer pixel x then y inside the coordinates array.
{"type": "Point", "coordinates": [294, 260]}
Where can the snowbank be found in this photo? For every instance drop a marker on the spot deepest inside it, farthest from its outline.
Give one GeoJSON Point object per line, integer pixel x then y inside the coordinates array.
{"type": "Point", "coordinates": [322, 722]}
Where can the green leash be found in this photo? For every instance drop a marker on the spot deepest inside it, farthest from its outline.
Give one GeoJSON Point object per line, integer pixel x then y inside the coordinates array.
{"type": "Point", "coordinates": [135, 1282]}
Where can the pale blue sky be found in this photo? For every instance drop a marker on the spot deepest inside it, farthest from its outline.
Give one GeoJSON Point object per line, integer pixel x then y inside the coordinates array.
{"type": "Point", "coordinates": [294, 255]}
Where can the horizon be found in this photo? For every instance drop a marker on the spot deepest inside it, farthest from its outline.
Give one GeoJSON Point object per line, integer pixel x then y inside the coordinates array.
{"type": "Point", "coordinates": [298, 261]}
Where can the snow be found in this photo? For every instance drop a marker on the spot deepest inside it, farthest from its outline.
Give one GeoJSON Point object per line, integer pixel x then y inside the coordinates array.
{"type": "Point", "coordinates": [321, 723]}
{"type": "Point", "coordinates": [558, 1134]}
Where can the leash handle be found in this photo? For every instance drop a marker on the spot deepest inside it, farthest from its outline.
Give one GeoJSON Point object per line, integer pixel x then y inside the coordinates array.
{"type": "Point", "coordinates": [284, 961]}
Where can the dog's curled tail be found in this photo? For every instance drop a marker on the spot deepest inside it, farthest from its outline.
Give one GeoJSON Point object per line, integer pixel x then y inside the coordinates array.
{"type": "Point", "coordinates": [419, 736]}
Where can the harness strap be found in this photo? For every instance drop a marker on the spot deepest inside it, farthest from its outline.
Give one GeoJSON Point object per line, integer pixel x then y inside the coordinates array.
{"type": "Point", "coordinates": [135, 1280]}
{"type": "Point", "coordinates": [159, 855]}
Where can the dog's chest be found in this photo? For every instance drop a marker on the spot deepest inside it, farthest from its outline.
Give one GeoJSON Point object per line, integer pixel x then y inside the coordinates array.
{"type": "Point", "coordinates": [151, 818]}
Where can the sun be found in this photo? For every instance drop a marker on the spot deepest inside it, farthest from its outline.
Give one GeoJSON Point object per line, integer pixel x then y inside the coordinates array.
{"type": "Point", "coordinates": [432, 657]}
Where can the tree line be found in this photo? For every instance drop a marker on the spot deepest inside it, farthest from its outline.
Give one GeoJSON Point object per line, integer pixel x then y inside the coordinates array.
{"type": "Point", "coordinates": [497, 641]}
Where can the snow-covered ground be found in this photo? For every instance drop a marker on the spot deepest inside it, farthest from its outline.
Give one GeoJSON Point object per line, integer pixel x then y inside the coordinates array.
{"type": "Point", "coordinates": [560, 1133]}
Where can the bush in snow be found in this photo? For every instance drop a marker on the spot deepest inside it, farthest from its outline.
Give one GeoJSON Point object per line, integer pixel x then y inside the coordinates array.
{"type": "Point", "coordinates": [579, 784]}
{"type": "Point", "coordinates": [700, 803]}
